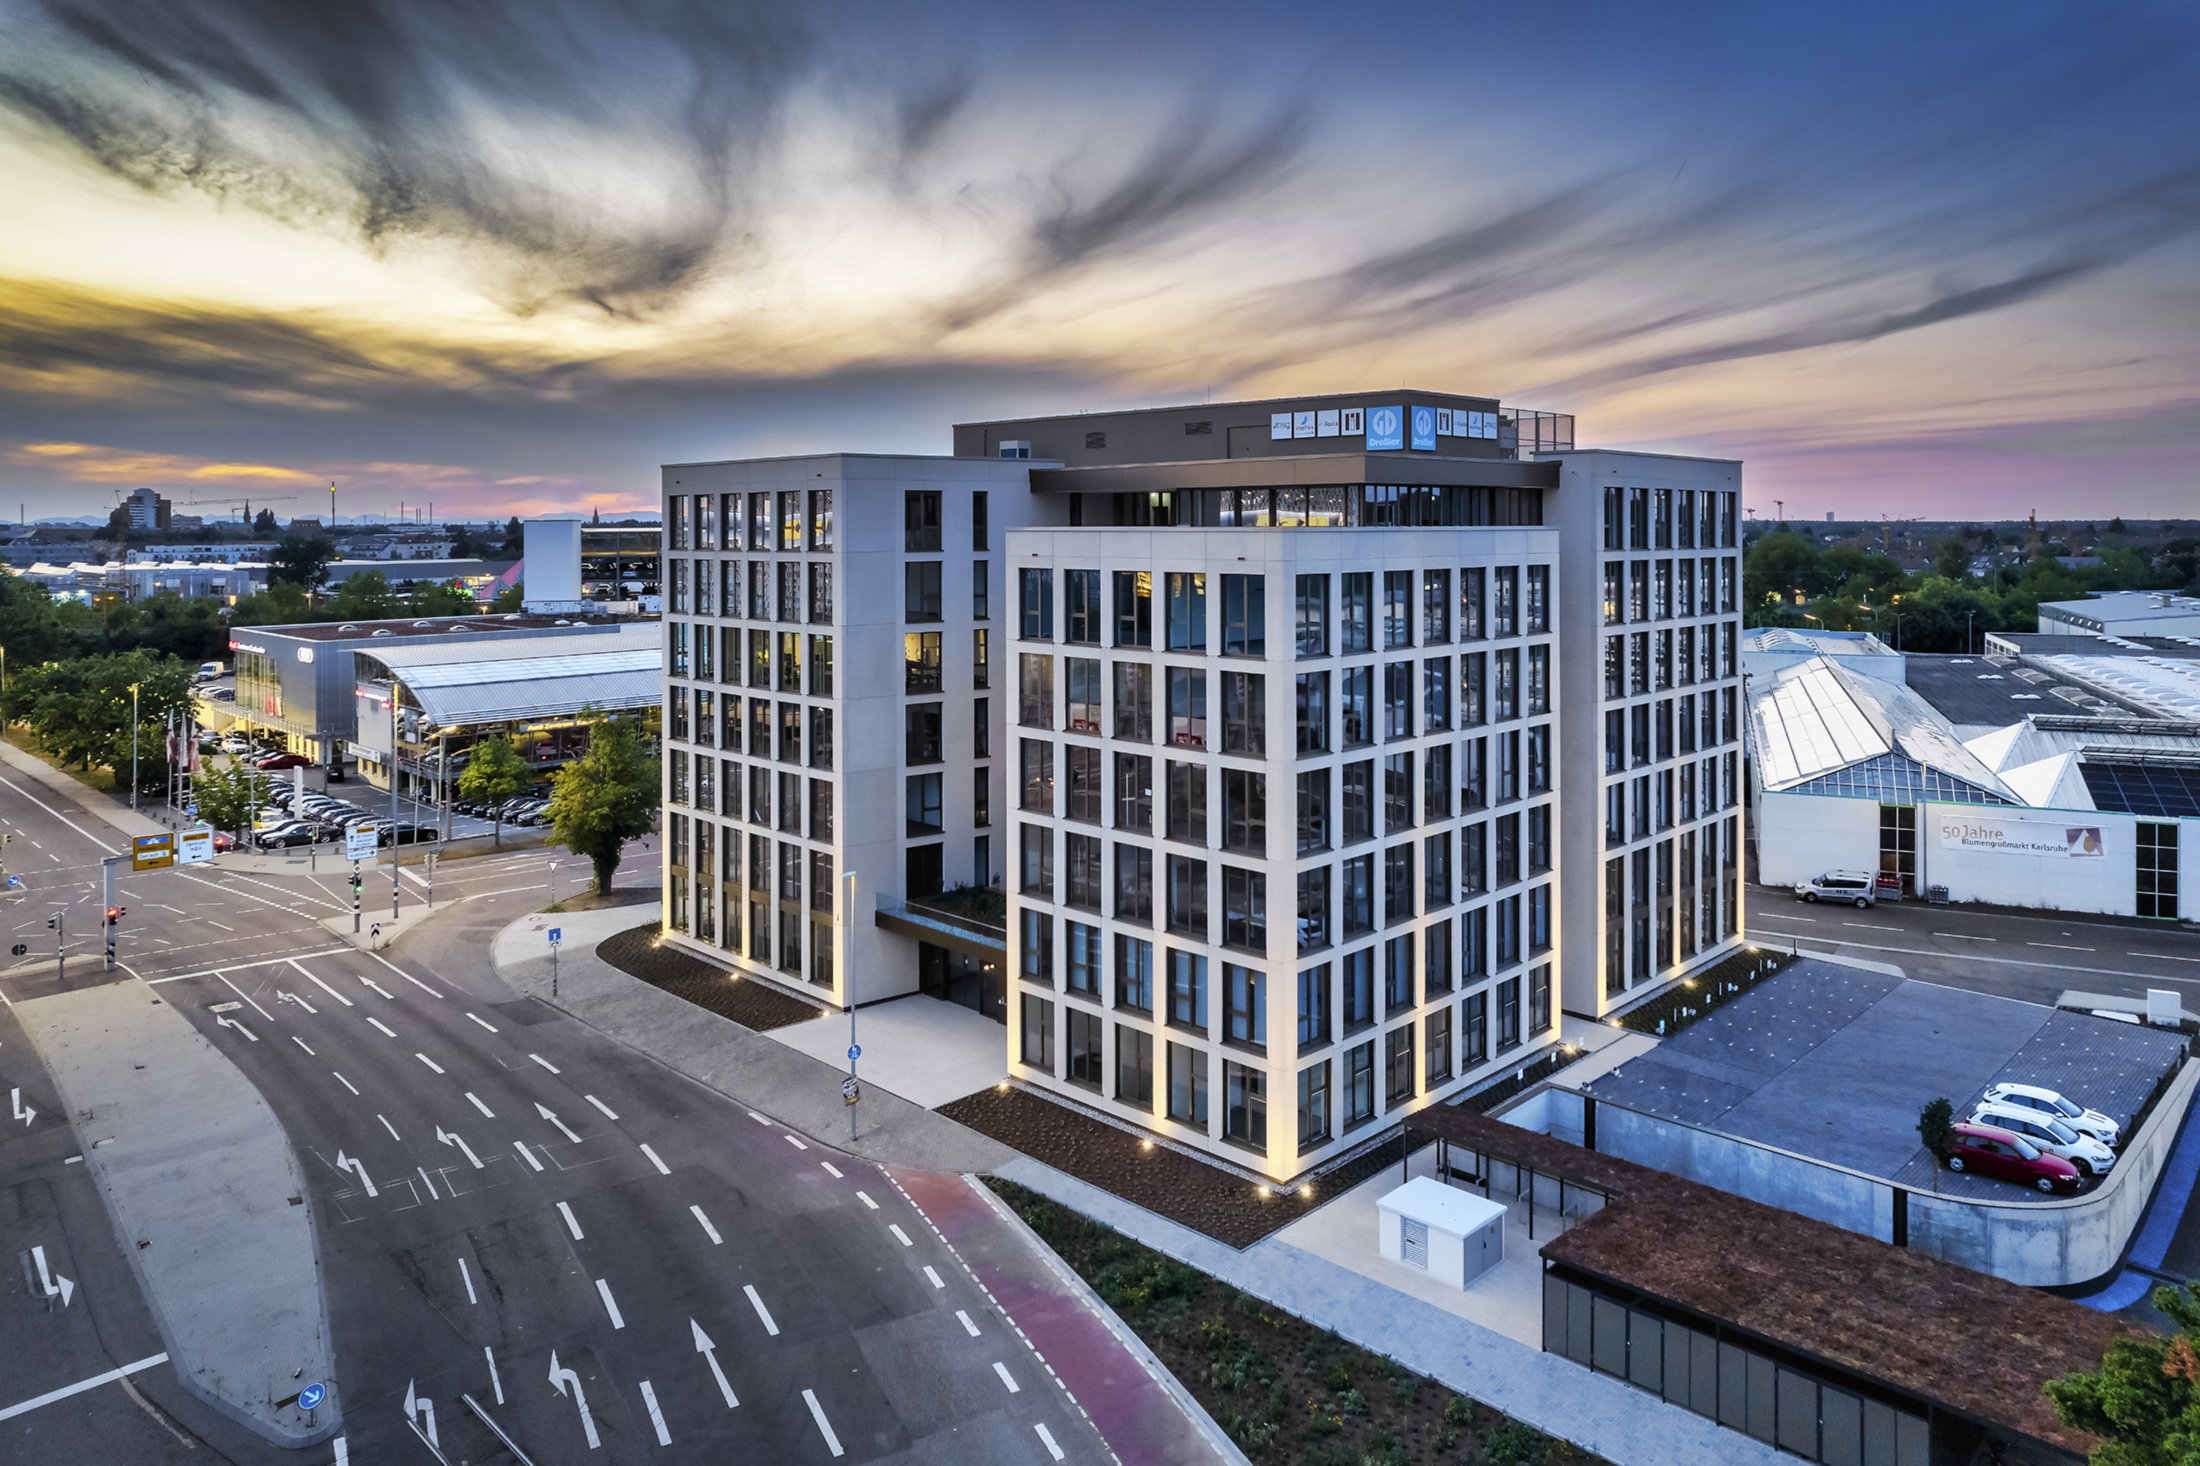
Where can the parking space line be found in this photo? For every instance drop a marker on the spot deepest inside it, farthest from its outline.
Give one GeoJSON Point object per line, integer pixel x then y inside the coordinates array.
{"type": "Point", "coordinates": [817, 1413]}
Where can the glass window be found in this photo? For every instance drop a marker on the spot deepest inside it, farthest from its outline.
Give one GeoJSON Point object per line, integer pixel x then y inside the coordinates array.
{"type": "Point", "coordinates": [1245, 615]}
{"type": "Point", "coordinates": [1356, 627]}
{"type": "Point", "coordinates": [1311, 694]}
{"type": "Point", "coordinates": [921, 590]}
{"type": "Point", "coordinates": [821, 519]}
{"type": "Point", "coordinates": [1436, 783]}
{"type": "Point", "coordinates": [1133, 1066]}
{"type": "Point", "coordinates": [1134, 701]}
{"type": "Point", "coordinates": [1508, 1013]}
{"type": "Point", "coordinates": [1187, 611]}
{"type": "Point", "coordinates": [1082, 1035]}
{"type": "Point", "coordinates": [1188, 1085]}
{"type": "Point", "coordinates": [920, 522]}
{"type": "Point", "coordinates": [1311, 604]}
{"type": "Point", "coordinates": [1245, 1104]}
{"type": "Point", "coordinates": [1244, 909]}
{"type": "Point", "coordinates": [1082, 975]}
{"type": "Point", "coordinates": [763, 529]}
{"type": "Point", "coordinates": [821, 666]}
{"type": "Point", "coordinates": [921, 733]}
{"type": "Point", "coordinates": [1245, 811]}
{"type": "Point", "coordinates": [1035, 604]}
{"type": "Point", "coordinates": [1133, 974]}
{"type": "Point", "coordinates": [981, 592]}
{"type": "Point", "coordinates": [1187, 993]}
{"type": "Point", "coordinates": [1436, 870]}
{"type": "Point", "coordinates": [790, 590]}
{"type": "Point", "coordinates": [1398, 1077]}
{"type": "Point", "coordinates": [1313, 810]}
{"type": "Point", "coordinates": [1397, 609]}
{"type": "Point", "coordinates": [1038, 861]}
{"type": "Point", "coordinates": [1187, 801]}
{"type": "Point", "coordinates": [1314, 1026]}
{"type": "Point", "coordinates": [1038, 1033]}
{"type": "Point", "coordinates": [1314, 909]}
{"type": "Point", "coordinates": [821, 738]}
{"type": "Point", "coordinates": [1245, 1005]}
{"type": "Point", "coordinates": [1133, 608]}
{"type": "Point", "coordinates": [1187, 707]}
{"type": "Point", "coordinates": [790, 520]}
{"type": "Point", "coordinates": [1473, 709]}
{"type": "Point", "coordinates": [679, 527]}
{"type": "Point", "coordinates": [1036, 948]}
{"type": "Point", "coordinates": [981, 658]}
{"type": "Point", "coordinates": [1244, 713]}
{"type": "Point", "coordinates": [1081, 598]}
{"type": "Point", "coordinates": [1035, 690]}
{"type": "Point", "coordinates": [1187, 896]}
{"type": "Point", "coordinates": [1082, 856]}
{"type": "Point", "coordinates": [920, 661]}
{"type": "Point", "coordinates": [1036, 756]}
{"type": "Point", "coordinates": [1357, 782]}
{"type": "Point", "coordinates": [1134, 793]}
{"type": "Point", "coordinates": [1435, 607]}
{"type": "Point", "coordinates": [1359, 1083]}
{"type": "Point", "coordinates": [1313, 1105]}
{"type": "Point", "coordinates": [1356, 896]}
{"type": "Point", "coordinates": [1084, 692]}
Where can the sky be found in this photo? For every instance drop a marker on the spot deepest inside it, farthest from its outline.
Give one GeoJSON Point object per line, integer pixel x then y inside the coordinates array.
{"type": "Point", "coordinates": [1932, 259]}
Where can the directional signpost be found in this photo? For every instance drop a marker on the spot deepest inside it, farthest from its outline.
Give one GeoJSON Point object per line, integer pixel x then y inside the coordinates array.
{"type": "Point", "coordinates": [312, 1395]}
{"type": "Point", "coordinates": [153, 852]}
{"type": "Point", "coordinates": [194, 847]}
{"type": "Point", "coordinates": [557, 935]}
{"type": "Point", "coordinates": [361, 841]}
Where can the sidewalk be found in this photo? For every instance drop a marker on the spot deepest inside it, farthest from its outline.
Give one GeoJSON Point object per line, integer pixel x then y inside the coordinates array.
{"type": "Point", "coordinates": [1551, 1393]}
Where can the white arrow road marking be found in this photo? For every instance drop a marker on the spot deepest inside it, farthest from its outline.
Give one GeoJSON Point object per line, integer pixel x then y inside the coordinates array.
{"type": "Point", "coordinates": [899, 1235]}
{"type": "Point", "coordinates": [708, 1230]}
{"type": "Point", "coordinates": [560, 1378]}
{"type": "Point", "coordinates": [608, 1114]}
{"type": "Point", "coordinates": [56, 1286]}
{"type": "Point", "coordinates": [485, 1110]}
{"type": "Point", "coordinates": [324, 987]}
{"type": "Point", "coordinates": [433, 1194]}
{"type": "Point", "coordinates": [382, 1028]}
{"type": "Point", "coordinates": [467, 1273]}
{"type": "Point", "coordinates": [761, 1311]}
{"type": "Point", "coordinates": [704, 1346]}
{"type": "Point", "coordinates": [301, 1043]}
{"type": "Point", "coordinates": [340, 1079]}
{"type": "Point", "coordinates": [544, 1062]}
{"type": "Point", "coordinates": [865, 1197]}
{"type": "Point", "coordinates": [417, 1406]}
{"type": "Point", "coordinates": [831, 1170]}
{"type": "Point", "coordinates": [385, 992]}
{"type": "Point", "coordinates": [662, 1168]}
{"type": "Point", "coordinates": [610, 1305]}
{"type": "Point", "coordinates": [354, 1163]}
{"type": "Point", "coordinates": [968, 1327]}
{"type": "Point", "coordinates": [817, 1413]}
{"type": "Point", "coordinates": [656, 1416]}
{"type": "Point", "coordinates": [572, 1225]}
{"type": "Point", "coordinates": [20, 1111]}
{"type": "Point", "coordinates": [1046, 1438]}
{"type": "Point", "coordinates": [449, 1139]}
{"type": "Point", "coordinates": [544, 1111]}
{"type": "Point", "coordinates": [283, 997]}
{"type": "Point", "coordinates": [1007, 1378]}
{"type": "Point", "coordinates": [225, 1021]}
{"type": "Point", "coordinates": [485, 1023]}
{"type": "Point", "coordinates": [935, 1277]}
{"type": "Point", "coordinates": [432, 1064]}
{"type": "Point", "coordinates": [525, 1154]}
{"type": "Point", "coordinates": [386, 1125]}
{"type": "Point", "coordinates": [495, 1383]}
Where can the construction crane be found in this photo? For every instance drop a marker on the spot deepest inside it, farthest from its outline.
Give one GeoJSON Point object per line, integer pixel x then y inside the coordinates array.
{"type": "Point", "coordinates": [1886, 530]}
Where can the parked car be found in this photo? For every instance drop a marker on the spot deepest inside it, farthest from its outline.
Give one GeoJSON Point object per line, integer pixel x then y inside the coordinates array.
{"type": "Point", "coordinates": [2075, 1115]}
{"type": "Point", "coordinates": [286, 837]}
{"type": "Point", "coordinates": [284, 761]}
{"type": "Point", "coordinates": [2050, 1133]}
{"type": "Point", "coordinates": [1853, 886]}
{"type": "Point", "coordinates": [223, 840]}
{"type": "Point", "coordinates": [406, 834]}
{"type": "Point", "coordinates": [1989, 1151]}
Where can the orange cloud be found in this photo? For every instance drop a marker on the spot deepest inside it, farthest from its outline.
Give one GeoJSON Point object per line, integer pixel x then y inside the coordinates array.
{"type": "Point", "coordinates": [91, 463]}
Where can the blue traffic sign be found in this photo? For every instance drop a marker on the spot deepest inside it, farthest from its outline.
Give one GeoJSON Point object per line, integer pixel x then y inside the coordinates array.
{"type": "Point", "coordinates": [557, 934]}
{"type": "Point", "coordinates": [312, 1395]}
{"type": "Point", "coordinates": [855, 1052]}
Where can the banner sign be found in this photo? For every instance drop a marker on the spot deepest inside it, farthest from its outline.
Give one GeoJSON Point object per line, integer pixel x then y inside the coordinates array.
{"type": "Point", "coordinates": [152, 852]}
{"type": "Point", "coordinates": [2022, 837]}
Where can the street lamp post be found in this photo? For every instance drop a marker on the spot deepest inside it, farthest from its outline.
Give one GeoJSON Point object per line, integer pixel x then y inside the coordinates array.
{"type": "Point", "coordinates": [133, 748]}
{"type": "Point", "coordinates": [395, 854]}
{"type": "Point", "coordinates": [1967, 615]}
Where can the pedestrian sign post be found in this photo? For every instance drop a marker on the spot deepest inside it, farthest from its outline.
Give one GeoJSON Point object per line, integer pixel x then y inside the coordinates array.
{"type": "Point", "coordinates": [152, 852]}
{"type": "Point", "coordinates": [557, 935]}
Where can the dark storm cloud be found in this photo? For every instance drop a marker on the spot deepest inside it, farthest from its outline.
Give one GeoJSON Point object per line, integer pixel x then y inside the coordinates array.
{"type": "Point", "coordinates": [356, 115]}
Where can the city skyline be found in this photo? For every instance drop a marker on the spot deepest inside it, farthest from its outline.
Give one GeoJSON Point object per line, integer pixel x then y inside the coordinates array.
{"type": "Point", "coordinates": [1895, 262]}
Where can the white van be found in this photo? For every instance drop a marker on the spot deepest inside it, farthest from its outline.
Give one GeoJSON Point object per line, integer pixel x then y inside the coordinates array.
{"type": "Point", "coordinates": [208, 671]}
{"type": "Point", "coordinates": [1853, 886]}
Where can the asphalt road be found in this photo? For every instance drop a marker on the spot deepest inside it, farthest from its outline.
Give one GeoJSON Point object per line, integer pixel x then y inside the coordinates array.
{"type": "Point", "coordinates": [517, 1189]}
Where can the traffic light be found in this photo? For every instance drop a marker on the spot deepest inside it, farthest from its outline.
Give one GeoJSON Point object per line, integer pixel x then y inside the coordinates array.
{"type": "Point", "coordinates": [52, 922]}
{"type": "Point", "coordinates": [115, 914]}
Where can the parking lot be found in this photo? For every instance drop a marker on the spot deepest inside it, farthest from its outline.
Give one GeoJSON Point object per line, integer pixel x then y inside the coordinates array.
{"type": "Point", "coordinates": [1835, 1063]}
{"type": "Point", "coordinates": [372, 801]}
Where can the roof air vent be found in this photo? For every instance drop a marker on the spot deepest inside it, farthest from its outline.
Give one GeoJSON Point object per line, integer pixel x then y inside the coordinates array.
{"type": "Point", "coordinates": [383, 631]}
{"type": "Point", "coordinates": [348, 626]}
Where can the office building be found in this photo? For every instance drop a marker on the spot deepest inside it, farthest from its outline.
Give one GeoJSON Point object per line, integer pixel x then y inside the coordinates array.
{"type": "Point", "coordinates": [1200, 666]}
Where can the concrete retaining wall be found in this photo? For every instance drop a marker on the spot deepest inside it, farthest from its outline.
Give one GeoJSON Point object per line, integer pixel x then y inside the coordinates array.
{"type": "Point", "coordinates": [2039, 1244]}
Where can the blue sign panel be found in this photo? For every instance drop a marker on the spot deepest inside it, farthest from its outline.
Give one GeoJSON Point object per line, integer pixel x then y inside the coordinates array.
{"type": "Point", "coordinates": [312, 1395]}
{"type": "Point", "coordinates": [1424, 429]}
{"type": "Point", "coordinates": [557, 934]}
{"type": "Point", "coordinates": [1386, 428]}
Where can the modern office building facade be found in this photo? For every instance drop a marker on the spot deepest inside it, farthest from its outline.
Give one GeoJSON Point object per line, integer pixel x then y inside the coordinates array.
{"type": "Point", "coordinates": [1200, 666]}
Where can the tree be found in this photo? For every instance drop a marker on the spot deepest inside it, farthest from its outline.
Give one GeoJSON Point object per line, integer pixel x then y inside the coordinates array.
{"type": "Point", "coordinates": [512, 598]}
{"type": "Point", "coordinates": [606, 797]}
{"type": "Point", "coordinates": [80, 708]}
{"type": "Point", "coordinates": [441, 600]}
{"type": "Point", "coordinates": [264, 522]}
{"type": "Point", "coordinates": [495, 773]}
{"type": "Point", "coordinates": [301, 560]}
{"type": "Point", "coordinates": [282, 602]}
{"type": "Point", "coordinates": [515, 537]}
{"type": "Point", "coordinates": [1952, 559]}
{"type": "Point", "coordinates": [367, 596]}
{"type": "Point", "coordinates": [2145, 1399]}
{"type": "Point", "coordinates": [31, 624]}
{"type": "Point", "coordinates": [229, 797]}
{"type": "Point", "coordinates": [1936, 1126]}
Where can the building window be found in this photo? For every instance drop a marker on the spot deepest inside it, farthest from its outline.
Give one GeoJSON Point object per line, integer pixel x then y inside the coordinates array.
{"type": "Point", "coordinates": [1245, 1104]}
{"type": "Point", "coordinates": [981, 592]}
{"type": "Point", "coordinates": [1038, 861]}
{"type": "Point", "coordinates": [1313, 909]}
{"type": "Point", "coordinates": [920, 590]}
{"type": "Point", "coordinates": [1245, 1000]}
{"type": "Point", "coordinates": [1134, 702]}
{"type": "Point", "coordinates": [1398, 890]}
{"type": "Point", "coordinates": [1397, 793]}
{"type": "Point", "coordinates": [1134, 884]}
{"type": "Point", "coordinates": [1187, 611]}
{"type": "Point", "coordinates": [1187, 990]}
{"type": "Point", "coordinates": [1187, 896]}
{"type": "Point", "coordinates": [981, 798]}
{"type": "Point", "coordinates": [1314, 1026]}
{"type": "Point", "coordinates": [1188, 1085]}
{"type": "Point", "coordinates": [1473, 707]}
{"type": "Point", "coordinates": [1355, 626]}
{"type": "Point", "coordinates": [1081, 606]}
{"type": "Point", "coordinates": [1083, 857]}
{"type": "Point", "coordinates": [921, 733]}
{"type": "Point", "coordinates": [920, 661]}
{"type": "Point", "coordinates": [1359, 1084]}
{"type": "Point", "coordinates": [1398, 984]}
{"type": "Point", "coordinates": [1475, 1029]}
{"type": "Point", "coordinates": [1036, 758]}
{"type": "Point", "coordinates": [1398, 1077]}
{"type": "Point", "coordinates": [1083, 1035]}
{"type": "Point", "coordinates": [1038, 1033]}
{"type": "Point", "coordinates": [1086, 794]}
{"type": "Point", "coordinates": [1311, 609]}
{"type": "Point", "coordinates": [1313, 1105]}
{"type": "Point", "coordinates": [1082, 974]}
{"type": "Point", "coordinates": [981, 657]}
{"type": "Point", "coordinates": [1539, 998]}
{"type": "Point", "coordinates": [1134, 793]}
{"type": "Point", "coordinates": [1436, 960]}
{"type": "Point", "coordinates": [1133, 1066]}
{"type": "Point", "coordinates": [1035, 948]}
{"type": "Point", "coordinates": [1035, 604]}
{"type": "Point", "coordinates": [1436, 871]}
{"type": "Point", "coordinates": [1133, 608]}
{"type": "Point", "coordinates": [1244, 615]}
{"type": "Point", "coordinates": [1397, 700]}
{"type": "Point", "coordinates": [1357, 974]}
{"type": "Point", "coordinates": [1312, 697]}
{"type": "Point", "coordinates": [1244, 713]}
{"type": "Point", "coordinates": [1357, 896]}
{"type": "Point", "coordinates": [1313, 810]}
{"type": "Point", "coordinates": [1133, 974]}
{"type": "Point", "coordinates": [1187, 707]}
{"type": "Point", "coordinates": [921, 523]}
{"type": "Point", "coordinates": [1187, 801]}
{"type": "Point", "coordinates": [1035, 690]}
{"type": "Point", "coordinates": [1356, 704]}
{"type": "Point", "coordinates": [1244, 811]}
{"type": "Point", "coordinates": [1244, 909]}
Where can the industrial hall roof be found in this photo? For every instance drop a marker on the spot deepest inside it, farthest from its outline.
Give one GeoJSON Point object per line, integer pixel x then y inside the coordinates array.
{"type": "Point", "coordinates": [1817, 724]}
{"type": "Point", "coordinates": [468, 684]}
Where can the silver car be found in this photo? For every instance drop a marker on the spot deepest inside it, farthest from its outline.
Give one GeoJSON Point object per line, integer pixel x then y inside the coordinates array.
{"type": "Point", "coordinates": [1852, 886]}
{"type": "Point", "coordinates": [2050, 1132]}
{"type": "Point", "coordinates": [2069, 1111]}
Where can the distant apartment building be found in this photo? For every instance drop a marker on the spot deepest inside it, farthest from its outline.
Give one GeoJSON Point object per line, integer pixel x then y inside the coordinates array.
{"type": "Point", "coordinates": [147, 510]}
{"type": "Point", "coordinates": [1325, 753]}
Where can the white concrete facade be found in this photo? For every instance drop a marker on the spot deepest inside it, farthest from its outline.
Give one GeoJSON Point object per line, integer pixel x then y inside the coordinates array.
{"type": "Point", "coordinates": [1649, 635]}
{"type": "Point", "coordinates": [844, 639]}
{"type": "Point", "coordinates": [1375, 754]}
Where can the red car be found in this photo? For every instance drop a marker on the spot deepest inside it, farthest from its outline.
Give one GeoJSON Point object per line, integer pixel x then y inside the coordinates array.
{"type": "Point", "coordinates": [284, 761]}
{"type": "Point", "coordinates": [1991, 1151]}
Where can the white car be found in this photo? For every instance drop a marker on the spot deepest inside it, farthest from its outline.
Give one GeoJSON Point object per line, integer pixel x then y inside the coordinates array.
{"type": "Point", "coordinates": [2069, 1111]}
{"type": "Point", "coordinates": [2049, 1132]}
{"type": "Point", "coordinates": [1853, 886]}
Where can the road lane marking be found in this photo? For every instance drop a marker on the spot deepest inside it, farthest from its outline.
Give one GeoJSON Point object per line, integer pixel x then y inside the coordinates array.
{"type": "Point", "coordinates": [1874, 926]}
{"type": "Point", "coordinates": [662, 1168]}
{"type": "Point", "coordinates": [759, 1119]}
{"type": "Point", "coordinates": [709, 1351]}
{"type": "Point", "coordinates": [608, 1113]}
{"type": "Point", "coordinates": [433, 1195]}
{"type": "Point", "coordinates": [448, 1138]}
{"type": "Point", "coordinates": [564, 1129]}
{"type": "Point", "coordinates": [865, 1198]}
{"type": "Point", "coordinates": [968, 1327]}
{"type": "Point", "coordinates": [1046, 1438]}
{"type": "Point", "coordinates": [301, 1002]}
{"type": "Point", "coordinates": [301, 1043]}
{"type": "Point", "coordinates": [1964, 937]}
{"type": "Point", "coordinates": [656, 1416]}
{"type": "Point", "coordinates": [432, 1064]}
{"type": "Point", "coordinates": [937, 1282]}
{"type": "Point", "coordinates": [401, 972]}
{"type": "Point", "coordinates": [210, 921]}
{"type": "Point", "coordinates": [26, 1406]}
{"type": "Point", "coordinates": [832, 1170]}
{"type": "Point", "coordinates": [240, 992]}
{"type": "Point", "coordinates": [467, 1274]}
{"type": "Point", "coordinates": [496, 1383]}
{"type": "Point", "coordinates": [544, 1062]}
{"type": "Point", "coordinates": [798, 1145]}
{"type": "Point", "coordinates": [761, 1311]}
{"type": "Point", "coordinates": [340, 1079]}
{"type": "Point", "coordinates": [2020, 962]}
{"type": "Point", "coordinates": [87, 834]}
{"type": "Point", "coordinates": [485, 1023]}
{"type": "Point", "coordinates": [1007, 1378]}
{"type": "Point", "coordinates": [899, 1235]}
{"type": "Point", "coordinates": [485, 1110]}
{"type": "Point", "coordinates": [708, 1230]}
{"type": "Point", "coordinates": [610, 1305]}
{"type": "Point", "coordinates": [525, 1154]}
{"type": "Point", "coordinates": [824, 1426]}
{"type": "Point", "coordinates": [240, 966]}
{"type": "Point", "coordinates": [2164, 956]}
{"type": "Point", "coordinates": [386, 1125]}
{"type": "Point", "coordinates": [2059, 947]}
{"type": "Point", "coordinates": [572, 1225]}
{"type": "Point", "coordinates": [383, 1028]}
{"type": "Point", "coordinates": [385, 992]}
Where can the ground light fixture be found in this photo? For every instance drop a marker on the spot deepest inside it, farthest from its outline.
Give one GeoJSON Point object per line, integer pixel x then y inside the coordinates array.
{"type": "Point", "coordinates": [1306, 1193]}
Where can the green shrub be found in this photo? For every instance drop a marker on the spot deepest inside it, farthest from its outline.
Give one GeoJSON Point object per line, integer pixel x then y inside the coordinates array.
{"type": "Point", "coordinates": [1459, 1410]}
{"type": "Point", "coordinates": [1516, 1443]}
